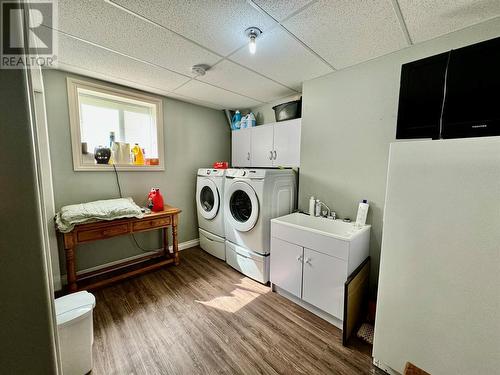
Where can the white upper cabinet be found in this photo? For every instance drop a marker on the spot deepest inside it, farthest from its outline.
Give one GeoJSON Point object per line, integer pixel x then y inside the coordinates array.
{"type": "Point", "coordinates": [270, 145]}
{"type": "Point", "coordinates": [287, 144]}
{"type": "Point", "coordinates": [240, 148]}
{"type": "Point", "coordinates": [262, 146]}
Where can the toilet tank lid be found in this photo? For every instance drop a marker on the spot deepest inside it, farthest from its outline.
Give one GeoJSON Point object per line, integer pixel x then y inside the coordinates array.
{"type": "Point", "coordinates": [74, 301]}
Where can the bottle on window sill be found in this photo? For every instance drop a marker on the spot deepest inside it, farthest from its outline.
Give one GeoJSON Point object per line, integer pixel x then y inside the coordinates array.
{"type": "Point", "coordinates": [138, 155]}
{"type": "Point", "coordinates": [111, 139]}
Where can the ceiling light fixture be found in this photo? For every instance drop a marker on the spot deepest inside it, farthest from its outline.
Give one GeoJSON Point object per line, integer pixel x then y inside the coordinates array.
{"type": "Point", "coordinates": [252, 33]}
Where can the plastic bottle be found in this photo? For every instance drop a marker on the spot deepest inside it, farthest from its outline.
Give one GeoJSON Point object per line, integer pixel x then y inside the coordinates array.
{"type": "Point", "coordinates": [236, 121]}
{"type": "Point", "coordinates": [312, 206]}
{"type": "Point", "coordinates": [317, 210]}
{"type": "Point", "coordinates": [362, 213]}
{"type": "Point", "coordinates": [251, 120]}
{"type": "Point", "coordinates": [138, 155]}
{"type": "Point", "coordinates": [155, 200]}
{"type": "Point", "coordinates": [111, 139]}
{"type": "Point", "coordinates": [244, 122]}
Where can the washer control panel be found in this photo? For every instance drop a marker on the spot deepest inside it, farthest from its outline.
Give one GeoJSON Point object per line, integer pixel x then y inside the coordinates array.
{"type": "Point", "coordinates": [211, 172]}
{"type": "Point", "coordinates": [246, 173]}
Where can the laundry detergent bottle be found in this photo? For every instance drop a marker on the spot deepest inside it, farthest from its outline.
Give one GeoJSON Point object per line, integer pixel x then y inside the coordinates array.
{"type": "Point", "coordinates": [251, 122]}
{"type": "Point", "coordinates": [138, 155]}
{"type": "Point", "coordinates": [236, 121]}
{"type": "Point", "coordinates": [155, 200]}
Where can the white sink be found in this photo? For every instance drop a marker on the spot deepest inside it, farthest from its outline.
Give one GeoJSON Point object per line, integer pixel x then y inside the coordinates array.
{"type": "Point", "coordinates": [320, 225]}
{"type": "Point", "coordinates": [312, 257]}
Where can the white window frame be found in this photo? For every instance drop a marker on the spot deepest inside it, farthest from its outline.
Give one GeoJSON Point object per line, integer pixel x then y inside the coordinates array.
{"type": "Point", "coordinates": [73, 85]}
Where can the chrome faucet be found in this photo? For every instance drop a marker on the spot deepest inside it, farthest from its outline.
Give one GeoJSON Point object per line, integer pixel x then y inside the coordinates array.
{"type": "Point", "coordinates": [328, 213]}
{"type": "Point", "coordinates": [324, 213]}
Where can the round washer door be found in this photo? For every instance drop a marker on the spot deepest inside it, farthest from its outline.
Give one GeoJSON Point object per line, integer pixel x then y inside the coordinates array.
{"type": "Point", "coordinates": [241, 206]}
{"type": "Point", "coordinates": [207, 198]}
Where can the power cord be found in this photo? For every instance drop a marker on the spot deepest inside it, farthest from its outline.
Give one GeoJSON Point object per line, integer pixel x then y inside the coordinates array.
{"type": "Point", "coordinates": [121, 196]}
{"type": "Point", "coordinates": [117, 181]}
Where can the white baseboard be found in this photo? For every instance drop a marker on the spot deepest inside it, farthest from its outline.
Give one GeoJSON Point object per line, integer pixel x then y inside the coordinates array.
{"type": "Point", "coordinates": [182, 246]}
{"type": "Point", "coordinates": [187, 245]}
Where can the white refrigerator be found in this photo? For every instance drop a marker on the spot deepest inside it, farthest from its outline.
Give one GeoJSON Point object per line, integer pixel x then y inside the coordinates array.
{"type": "Point", "coordinates": [438, 303]}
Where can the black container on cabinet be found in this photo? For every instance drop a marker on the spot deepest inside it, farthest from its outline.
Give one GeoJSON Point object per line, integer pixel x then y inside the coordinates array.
{"type": "Point", "coordinates": [421, 97]}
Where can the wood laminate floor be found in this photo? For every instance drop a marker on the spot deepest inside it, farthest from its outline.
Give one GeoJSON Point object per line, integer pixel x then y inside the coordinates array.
{"type": "Point", "coordinates": [203, 317]}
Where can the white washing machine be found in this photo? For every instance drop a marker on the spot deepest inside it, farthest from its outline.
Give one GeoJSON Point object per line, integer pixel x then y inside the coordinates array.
{"type": "Point", "coordinates": [209, 204]}
{"type": "Point", "coordinates": [252, 197]}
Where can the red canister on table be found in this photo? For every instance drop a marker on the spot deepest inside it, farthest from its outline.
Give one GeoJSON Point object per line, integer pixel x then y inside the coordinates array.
{"type": "Point", "coordinates": [155, 200]}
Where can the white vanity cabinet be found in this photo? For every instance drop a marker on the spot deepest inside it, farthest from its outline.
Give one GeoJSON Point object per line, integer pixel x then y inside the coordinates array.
{"type": "Point", "coordinates": [270, 145]}
{"type": "Point", "coordinates": [287, 270]}
{"type": "Point", "coordinates": [311, 259]}
{"type": "Point", "coordinates": [323, 282]}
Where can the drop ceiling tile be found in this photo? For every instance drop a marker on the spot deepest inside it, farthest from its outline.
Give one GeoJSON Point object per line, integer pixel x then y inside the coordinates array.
{"type": "Point", "coordinates": [105, 24]}
{"type": "Point", "coordinates": [215, 24]}
{"type": "Point", "coordinates": [188, 99]}
{"type": "Point", "coordinates": [431, 18]}
{"type": "Point", "coordinates": [280, 9]}
{"type": "Point", "coordinates": [281, 57]}
{"type": "Point", "coordinates": [211, 94]}
{"type": "Point", "coordinates": [231, 76]}
{"type": "Point", "coordinates": [113, 67]}
{"type": "Point", "coordinates": [348, 32]}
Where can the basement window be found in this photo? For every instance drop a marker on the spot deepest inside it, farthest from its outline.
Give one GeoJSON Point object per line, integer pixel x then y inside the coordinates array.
{"type": "Point", "coordinates": [114, 126]}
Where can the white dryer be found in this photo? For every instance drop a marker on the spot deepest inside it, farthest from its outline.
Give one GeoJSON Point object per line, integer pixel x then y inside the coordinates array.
{"type": "Point", "coordinates": [209, 204]}
{"type": "Point", "coordinates": [252, 197]}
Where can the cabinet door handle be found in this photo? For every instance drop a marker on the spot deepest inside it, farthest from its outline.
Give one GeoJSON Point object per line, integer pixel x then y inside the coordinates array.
{"type": "Point", "coordinates": [308, 261]}
{"type": "Point", "coordinates": [299, 258]}
{"type": "Point", "coordinates": [270, 155]}
{"type": "Point", "coordinates": [248, 156]}
{"type": "Point", "coordinates": [275, 154]}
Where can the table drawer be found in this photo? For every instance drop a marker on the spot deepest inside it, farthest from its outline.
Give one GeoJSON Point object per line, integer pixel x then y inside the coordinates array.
{"type": "Point", "coordinates": [106, 232]}
{"type": "Point", "coordinates": [151, 224]}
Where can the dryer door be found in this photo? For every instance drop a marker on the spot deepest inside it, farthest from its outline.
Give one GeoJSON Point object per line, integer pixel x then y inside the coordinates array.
{"type": "Point", "coordinates": [207, 198]}
{"type": "Point", "coordinates": [242, 206]}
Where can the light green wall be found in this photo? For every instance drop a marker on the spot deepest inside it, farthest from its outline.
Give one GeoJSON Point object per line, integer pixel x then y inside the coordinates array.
{"type": "Point", "coordinates": [26, 333]}
{"type": "Point", "coordinates": [195, 137]}
{"type": "Point", "coordinates": [348, 121]}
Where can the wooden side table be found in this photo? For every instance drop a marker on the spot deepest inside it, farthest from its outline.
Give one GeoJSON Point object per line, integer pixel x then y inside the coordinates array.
{"type": "Point", "coordinates": [100, 230]}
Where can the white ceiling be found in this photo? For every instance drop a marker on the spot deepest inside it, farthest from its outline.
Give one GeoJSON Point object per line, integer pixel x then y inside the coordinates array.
{"type": "Point", "coordinates": [348, 32]}
{"type": "Point", "coordinates": [152, 44]}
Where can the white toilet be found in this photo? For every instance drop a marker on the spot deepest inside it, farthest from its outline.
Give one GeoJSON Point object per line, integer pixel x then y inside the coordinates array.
{"type": "Point", "coordinates": [76, 334]}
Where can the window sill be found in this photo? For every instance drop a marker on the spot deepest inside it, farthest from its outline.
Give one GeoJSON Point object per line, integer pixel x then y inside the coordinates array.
{"type": "Point", "coordinates": [120, 168]}
{"type": "Point", "coordinates": [124, 97]}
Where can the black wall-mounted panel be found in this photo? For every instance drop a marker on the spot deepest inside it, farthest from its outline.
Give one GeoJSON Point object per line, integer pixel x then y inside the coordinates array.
{"type": "Point", "coordinates": [421, 97]}
{"type": "Point", "coordinates": [472, 104]}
